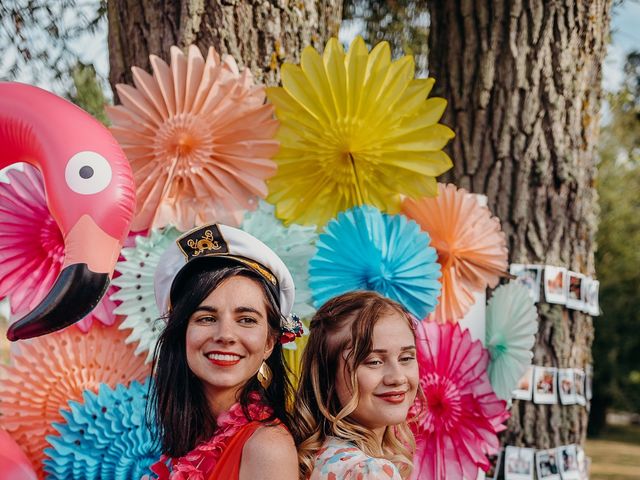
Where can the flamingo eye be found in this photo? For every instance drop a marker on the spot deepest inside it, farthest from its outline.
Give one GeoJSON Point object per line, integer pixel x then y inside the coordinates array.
{"type": "Point", "coordinates": [88, 173]}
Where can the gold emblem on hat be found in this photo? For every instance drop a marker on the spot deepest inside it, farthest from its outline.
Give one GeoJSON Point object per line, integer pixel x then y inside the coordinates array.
{"type": "Point", "coordinates": [205, 244]}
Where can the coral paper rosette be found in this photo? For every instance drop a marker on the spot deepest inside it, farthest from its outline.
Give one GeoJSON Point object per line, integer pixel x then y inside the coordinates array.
{"type": "Point", "coordinates": [294, 244]}
{"type": "Point", "coordinates": [32, 247]}
{"type": "Point", "coordinates": [50, 370]}
{"type": "Point", "coordinates": [459, 426]}
{"type": "Point", "coordinates": [104, 437]}
{"type": "Point", "coordinates": [136, 289]}
{"type": "Point", "coordinates": [364, 249]}
{"type": "Point", "coordinates": [512, 324]}
{"type": "Point", "coordinates": [472, 248]}
{"type": "Point", "coordinates": [199, 138]}
{"type": "Point", "coordinates": [356, 128]}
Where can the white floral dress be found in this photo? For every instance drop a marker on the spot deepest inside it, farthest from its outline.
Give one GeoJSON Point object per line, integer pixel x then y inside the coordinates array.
{"type": "Point", "coordinates": [340, 459]}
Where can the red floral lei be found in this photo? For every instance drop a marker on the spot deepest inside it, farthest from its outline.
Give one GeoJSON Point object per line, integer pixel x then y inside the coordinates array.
{"type": "Point", "coordinates": [200, 462]}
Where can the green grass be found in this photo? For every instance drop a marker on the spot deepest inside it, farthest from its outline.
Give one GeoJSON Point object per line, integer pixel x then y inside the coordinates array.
{"type": "Point", "coordinates": [615, 455]}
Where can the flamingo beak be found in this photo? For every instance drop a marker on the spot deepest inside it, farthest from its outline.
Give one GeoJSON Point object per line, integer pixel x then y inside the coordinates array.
{"type": "Point", "coordinates": [90, 258]}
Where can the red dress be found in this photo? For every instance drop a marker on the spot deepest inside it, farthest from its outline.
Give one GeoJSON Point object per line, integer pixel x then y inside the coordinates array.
{"type": "Point", "coordinates": [220, 456]}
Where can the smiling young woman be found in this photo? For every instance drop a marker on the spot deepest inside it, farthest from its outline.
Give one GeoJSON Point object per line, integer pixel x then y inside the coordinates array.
{"type": "Point", "coordinates": [220, 385]}
{"type": "Point", "coordinates": [353, 423]}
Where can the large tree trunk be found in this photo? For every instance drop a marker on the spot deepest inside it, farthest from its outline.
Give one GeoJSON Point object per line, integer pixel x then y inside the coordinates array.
{"type": "Point", "coordinates": [259, 34]}
{"type": "Point", "coordinates": [524, 90]}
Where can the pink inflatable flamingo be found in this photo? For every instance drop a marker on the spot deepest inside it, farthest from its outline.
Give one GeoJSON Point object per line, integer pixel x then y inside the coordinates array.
{"type": "Point", "coordinates": [90, 193]}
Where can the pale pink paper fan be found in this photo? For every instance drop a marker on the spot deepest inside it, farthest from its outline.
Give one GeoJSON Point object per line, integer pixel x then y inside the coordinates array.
{"type": "Point", "coordinates": [199, 138]}
{"type": "Point", "coordinates": [50, 370]}
{"type": "Point", "coordinates": [458, 428]}
{"type": "Point", "coordinates": [472, 249]}
{"type": "Point", "coordinates": [32, 247]}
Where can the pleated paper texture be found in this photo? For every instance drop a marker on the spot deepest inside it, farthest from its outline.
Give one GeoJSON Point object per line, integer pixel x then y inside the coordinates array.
{"type": "Point", "coordinates": [51, 370]}
{"type": "Point", "coordinates": [141, 316]}
{"type": "Point", "coordinates": [357, 128]}
{"type": "Point", "coordinates": [294, 244]}
{"type": "Point", "coordinates": [459, 424]}
{"type": "Point", "coordinates": [364, 249]}
{"type": "Point", "coordinates": [512, 324]}
{"type": "Point", "coordinates": [104, 437]}
{"type": "Point", "coordinates": [472, 248]}
{"type": "Point", "coordinates": [199, 138]}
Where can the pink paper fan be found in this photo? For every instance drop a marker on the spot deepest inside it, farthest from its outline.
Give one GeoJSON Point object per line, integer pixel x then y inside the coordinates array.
{"type": "Point", "coordinates": [50, 370]}
{"type": "Point", "coordinates": [472, 249]}
{"type": "Point", "coordinates": [199, 138]}
{"type": "Point", "coordinates": [459, 426]}
{"type": "Point", "coordinates": [32, 247]}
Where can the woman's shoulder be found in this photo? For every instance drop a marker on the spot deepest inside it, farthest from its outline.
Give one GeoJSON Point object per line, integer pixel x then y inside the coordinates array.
{"type": "Point", "coordinates": [270, 453]}
{"type": "Point", "coordinates": [342, 459]}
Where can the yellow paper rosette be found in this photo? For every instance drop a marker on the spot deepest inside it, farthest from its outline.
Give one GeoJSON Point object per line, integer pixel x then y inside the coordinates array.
{"type": "Point", "coordinates": [356, 128]}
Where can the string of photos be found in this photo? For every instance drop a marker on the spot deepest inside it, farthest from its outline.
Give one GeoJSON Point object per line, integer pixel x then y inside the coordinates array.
{"type": "Point", "coordinates": [552, 385]}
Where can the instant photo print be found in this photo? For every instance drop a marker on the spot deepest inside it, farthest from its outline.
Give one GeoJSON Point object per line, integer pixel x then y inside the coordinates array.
{"type": "Point", "coordinates": [524, 390]}
{"type": "Point", "coordinates": [575, 292]}
{"type": "Point", "coordinates": [554, 284]}
{"type": "Point", "coordinates": [529, 276]}
{"type": "Point", "coordinates": [566, 386]}
{"type": "Point", "coordinates": [518, 463]}
{"type": "Point", "coordinates": [547, 466]}
{"type": "Point", "coordinates": [579, 381]}
{"type": "Point", "coordinates": [544, 385]}
{"type": "Point", "coordinates": [568, 458]}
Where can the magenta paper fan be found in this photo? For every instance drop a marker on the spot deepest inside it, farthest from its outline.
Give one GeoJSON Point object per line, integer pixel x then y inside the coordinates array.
{"type": "Point", "coordinates": [459, 426]}
{"type": "Point", "coordinates": [32, 247]}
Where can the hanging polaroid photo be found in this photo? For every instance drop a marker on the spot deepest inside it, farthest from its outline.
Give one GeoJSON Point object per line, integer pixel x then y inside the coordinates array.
{"type": "Point", "coordinates": [547, 464]}
{"type": "Point", "coordinates": [494, 469]}
{"type": "Point", "coordinates": [524, 390]}
{"type": "Point", "coordinates": [588, 383]}
{"type": "Point", "coordinates": [554, 284]}
{"type": "Point", "coordinates": [544, 385]}
{"type": "Point", "coordinates": [579, 381]}
{"type": "Point", "coordinates": [586, 285]}
{"type": "Point", "coordinates": [566, 386]}
{"type": "Point", "coordinates": [518, 463]}
{"type": "Point", "coordinates": [582, 462]}
{"type": "Point", "coordinates": [574, 291]}
{"type": "Point", "coordinates": [593, 304]}
{"type": "Point", "coordinates": [529, 276]}
{"type": "Point", "coordinates": [568, 457]}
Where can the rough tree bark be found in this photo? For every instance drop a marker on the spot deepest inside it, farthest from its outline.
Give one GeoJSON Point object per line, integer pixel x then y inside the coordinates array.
{"type": "Point", "coordinates": [260, 34]}
{"type": "Point", "coordinates": [524, 90]}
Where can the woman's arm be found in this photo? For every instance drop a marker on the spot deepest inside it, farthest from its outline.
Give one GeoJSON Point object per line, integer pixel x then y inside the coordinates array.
{"type": "Point", "coordinates": [269, 454]}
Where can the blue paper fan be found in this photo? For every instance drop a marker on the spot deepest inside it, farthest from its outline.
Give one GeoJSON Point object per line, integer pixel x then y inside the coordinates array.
{"type": "Point", "coordinates": [512, 324]}
{"type": "Point", "coordinates": [294, 244]}
{"type": "Point", "coordinates": [136, 289]}
{"type": "Point", "coordinates": [106, 437]}
{"type": "Point", "coordinates": [364, 249]}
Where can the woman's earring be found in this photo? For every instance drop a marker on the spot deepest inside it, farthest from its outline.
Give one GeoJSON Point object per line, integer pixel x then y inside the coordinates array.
{"type": "Point", "coordinates": [265, 375]}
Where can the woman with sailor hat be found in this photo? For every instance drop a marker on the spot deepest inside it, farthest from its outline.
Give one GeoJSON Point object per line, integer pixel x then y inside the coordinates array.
{"type": "Point", "coordinates": [220, 386]}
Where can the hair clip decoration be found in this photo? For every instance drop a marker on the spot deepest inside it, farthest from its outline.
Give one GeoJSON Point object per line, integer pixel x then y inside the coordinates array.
{"type": "Point", "coordinates": [291, 329]}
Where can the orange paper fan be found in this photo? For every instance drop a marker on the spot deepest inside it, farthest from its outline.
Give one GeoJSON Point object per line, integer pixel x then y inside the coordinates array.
{"type": "Point", "coordinates": [199, 138]}
{"type": "Point", "coordinates": [51, 370]}
{"type": "Point", "coordinates": [472, 249]}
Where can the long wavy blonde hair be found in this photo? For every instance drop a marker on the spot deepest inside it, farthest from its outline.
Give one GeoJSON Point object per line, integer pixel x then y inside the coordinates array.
{"type": "Point", "coordinates": [317, 410]}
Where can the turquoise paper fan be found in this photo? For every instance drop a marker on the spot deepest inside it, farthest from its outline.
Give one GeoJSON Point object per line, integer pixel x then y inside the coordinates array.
{"type": "Point", "coordinates": [512, 324]}
{"type": "Point", "coordinates": [364, 249]}
{"type": "Point", "coordinates": [294, 244]}
{"type": "Point", "coordinates": [136, 289]}
{"type": "Point", "coordinates": [106, 437]}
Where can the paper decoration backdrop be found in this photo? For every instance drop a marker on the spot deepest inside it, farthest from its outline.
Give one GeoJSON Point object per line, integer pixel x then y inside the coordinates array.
{"type": "Point", "coordinates": [199, 138]}
{"type": "Point", "coordinates": [472, 248]}
{"type": "Point", "coordinates": [512, 324]}
{"type": "Point", "coordinates": [136, 289]}
{"type": "Point", "coordinates": [50, 370]}
{"type": "Point", "coordinates": [104, 437]}
{"type": "Point", "coordinates": [14, 464]}
{"type": "Point", "coordinates": [32, 247]}
{"type": "Point", "coordinates": [294, 244]}
{"type": "Point", "coordinates": [463, 416]}
{"type": "Point", "coordinates": [364, 249]}
{"type": "Point", "coordinates": [356, 129]}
